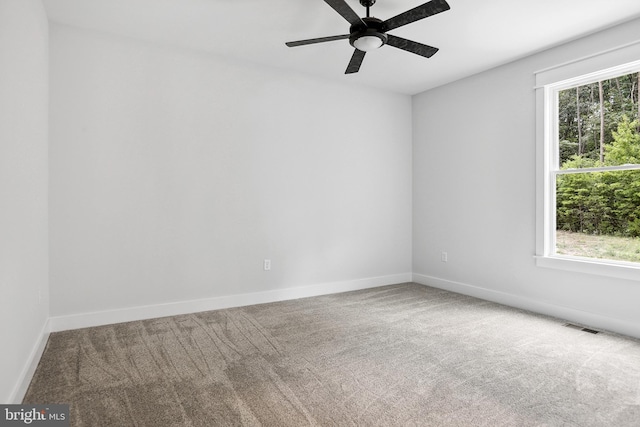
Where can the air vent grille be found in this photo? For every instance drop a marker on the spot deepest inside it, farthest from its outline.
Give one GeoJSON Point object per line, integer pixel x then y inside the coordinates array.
{"type": "Point", "coordinates": [580, 328]}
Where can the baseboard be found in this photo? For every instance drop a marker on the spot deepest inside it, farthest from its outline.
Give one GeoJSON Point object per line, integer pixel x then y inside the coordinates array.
{"type": "Point", "coordinates": [585, 318]}
{"type": "Point", "coordinates": [85, 320]}
{"type": "Point", "coordinates": [30, 366]}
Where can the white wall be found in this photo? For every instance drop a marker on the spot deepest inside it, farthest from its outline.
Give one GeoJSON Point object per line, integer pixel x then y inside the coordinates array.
{"type": "Point", "coordinates": [174, 174]}
{"type": "Point", "coordinates": [474, 155]}
{"type": "Point", "coordinates": [23, 189]}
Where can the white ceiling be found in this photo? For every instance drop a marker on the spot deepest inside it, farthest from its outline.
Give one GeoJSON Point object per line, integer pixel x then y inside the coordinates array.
{"type": "Point", "coordinates": [473, 36]}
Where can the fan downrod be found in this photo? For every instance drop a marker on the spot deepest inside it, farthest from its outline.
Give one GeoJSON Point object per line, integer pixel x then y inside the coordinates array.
{"type": "Point", "coordinates": [367, 4]}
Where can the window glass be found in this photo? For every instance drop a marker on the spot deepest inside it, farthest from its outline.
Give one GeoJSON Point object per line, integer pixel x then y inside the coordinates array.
{"type": "Point", "coordinates": [589, 120]}
{"type": "Point", "coordinates": [596, 169]}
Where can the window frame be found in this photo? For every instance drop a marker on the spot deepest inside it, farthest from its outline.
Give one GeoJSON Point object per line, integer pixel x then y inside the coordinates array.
{"type": "Point", "coordinates": [548, 84]}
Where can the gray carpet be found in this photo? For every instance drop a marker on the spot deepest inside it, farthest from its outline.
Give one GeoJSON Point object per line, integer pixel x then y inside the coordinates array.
{"type": "Point", "coordinates": [393, 356]}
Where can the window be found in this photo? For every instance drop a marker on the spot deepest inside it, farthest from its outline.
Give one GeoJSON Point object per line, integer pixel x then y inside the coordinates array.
{"type": "Point", "coordinates": [589, 166]}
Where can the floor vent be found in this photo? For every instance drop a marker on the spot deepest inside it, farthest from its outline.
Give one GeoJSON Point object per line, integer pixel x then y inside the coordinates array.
{"type": "Point", "coordinates": [580, 328]}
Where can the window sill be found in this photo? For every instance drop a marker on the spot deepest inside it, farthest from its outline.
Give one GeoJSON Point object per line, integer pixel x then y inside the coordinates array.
{"type": "Point", "coordinates": [620, 270]}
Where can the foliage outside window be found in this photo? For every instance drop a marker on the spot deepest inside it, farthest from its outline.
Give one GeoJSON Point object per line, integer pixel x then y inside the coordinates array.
{"type": "Point", "coordinates": [596, 168]}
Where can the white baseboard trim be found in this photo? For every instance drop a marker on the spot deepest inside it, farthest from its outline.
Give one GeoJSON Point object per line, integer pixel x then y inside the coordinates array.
{"type": "Point", "coordinates": [85, 320]}
{"type": "Point", "coordinates": [584, 318]}
{"type": "Point", "coordinates": [30, 366]}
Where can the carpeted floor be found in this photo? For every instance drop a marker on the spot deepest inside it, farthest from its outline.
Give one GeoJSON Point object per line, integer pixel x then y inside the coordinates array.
{"type": "Point", "coordinates": [393, 356]}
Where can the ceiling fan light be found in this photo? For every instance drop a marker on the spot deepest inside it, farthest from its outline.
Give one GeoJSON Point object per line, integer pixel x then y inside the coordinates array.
{"type": "Point", "coordinates": [367, 43]}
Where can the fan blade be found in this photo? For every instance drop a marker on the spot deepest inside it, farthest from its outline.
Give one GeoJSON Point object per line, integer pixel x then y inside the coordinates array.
{"type": "Point", "coordinates": [343, 9]}
{"type": "Point", "coordinates": [356, 61]}
{"type": "Point", "coordinates": [428, 9]}
{"type": "Point", "coordinates": [318, 40]}
{"type": "Point", "coordinates": [411, 46]}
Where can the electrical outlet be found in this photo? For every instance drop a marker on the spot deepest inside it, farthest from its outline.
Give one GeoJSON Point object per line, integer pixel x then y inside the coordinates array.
{"type": "Point", "coordinates": [267, 264]}
{"type": "Point", "coordinates": [444, 257]}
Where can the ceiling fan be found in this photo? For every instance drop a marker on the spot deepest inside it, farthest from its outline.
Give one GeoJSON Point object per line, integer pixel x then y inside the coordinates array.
{"type": "Point", "coordinates": [370, 33]}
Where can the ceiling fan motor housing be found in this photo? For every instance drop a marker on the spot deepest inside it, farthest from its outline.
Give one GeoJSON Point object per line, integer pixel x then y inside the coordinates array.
{"type": "Point", "coordinates": [372, 27]}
